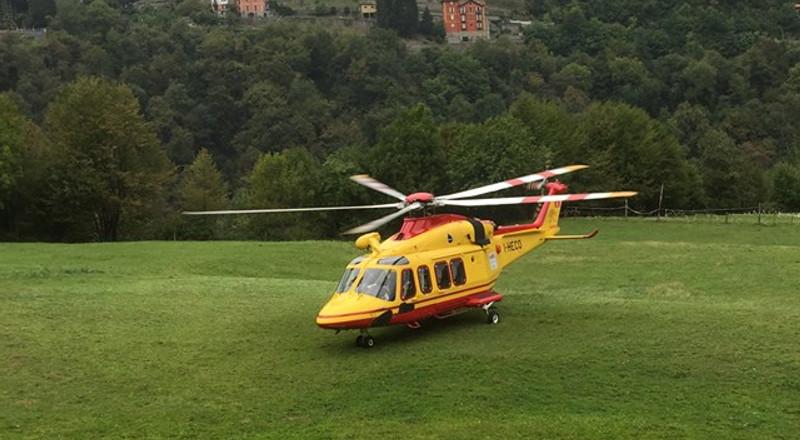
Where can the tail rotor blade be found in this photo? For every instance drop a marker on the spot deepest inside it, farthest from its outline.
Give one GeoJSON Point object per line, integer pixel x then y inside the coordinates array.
{"type": "Point", "coordinates": [278, 210]}
{"type": "Point", "coordinates": [512, 182]}
{"type": "Point", "coordinates": [369, 182]}
{"type": "Point", "coordinates": [537, 199]}
{"type": "Point", "coordinates": [377, 223]}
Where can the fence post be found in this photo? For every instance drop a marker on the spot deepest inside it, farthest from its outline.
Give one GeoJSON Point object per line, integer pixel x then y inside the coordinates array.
{"type": "Point", "coordinates": [759, 213]}
{"type": "Point", "coordinates": [626, 208]}
{"type": "Point", "coordinates": [660, 199]}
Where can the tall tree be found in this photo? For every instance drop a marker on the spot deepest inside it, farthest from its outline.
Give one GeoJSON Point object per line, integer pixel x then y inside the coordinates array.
{"type": "Point", "coordinates": [24, 162]}
{"type": "Point", "coordinates": [426, 23]}
{"type": "Point", "coordinates": [786, 181]}
{"type": "Point", "coordinates": [11, 140]}
{"type": "Point", "coordinates": [289, 179]}
{"type": "Point", "coordinates": [202, 188]}
{"type": "Point", "coordinates": [409, 154]}
{"type": "Point", "coordinates": [400, 15]}
{"type": "Point", "coordinates": [110, 167]}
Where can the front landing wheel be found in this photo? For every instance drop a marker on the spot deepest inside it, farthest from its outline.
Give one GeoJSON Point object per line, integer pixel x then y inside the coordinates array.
{"type": "Point", "coordinates": [360, 340]}
{"type": "Point", "coordinates": [492, 317]}
{"type": "Point", "coordinates": [368, 342]}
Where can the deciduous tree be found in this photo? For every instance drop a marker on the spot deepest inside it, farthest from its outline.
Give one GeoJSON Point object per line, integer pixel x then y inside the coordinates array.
{"type": "Point", "coordinates": [110, 168]}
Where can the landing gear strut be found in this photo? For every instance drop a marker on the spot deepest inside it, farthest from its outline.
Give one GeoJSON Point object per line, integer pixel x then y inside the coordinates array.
{"type": "Point", "coordinates": [365, 340]}
{"type": "Point", "coordinates": [492, 317]}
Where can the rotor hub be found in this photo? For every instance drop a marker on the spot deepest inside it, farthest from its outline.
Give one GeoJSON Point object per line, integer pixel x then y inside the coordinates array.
{"type": "Point", "coordinates": [420, 197]}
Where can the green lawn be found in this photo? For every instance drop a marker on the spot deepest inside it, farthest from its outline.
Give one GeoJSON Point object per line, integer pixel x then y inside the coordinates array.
{"type": "Point", "coordinates": [651, 330]}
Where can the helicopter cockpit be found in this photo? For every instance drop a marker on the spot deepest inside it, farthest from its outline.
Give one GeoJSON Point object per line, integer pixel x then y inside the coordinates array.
{"type": "Point", "coordinates": [378, 282]}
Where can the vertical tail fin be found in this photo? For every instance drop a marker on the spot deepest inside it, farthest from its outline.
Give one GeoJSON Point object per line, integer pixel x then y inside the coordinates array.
{"type": "Point", "coordinates": [550, 211]}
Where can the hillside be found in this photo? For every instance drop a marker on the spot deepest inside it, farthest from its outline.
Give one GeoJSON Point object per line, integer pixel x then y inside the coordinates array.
{"type": "Point", "coordinates": [120, 118]}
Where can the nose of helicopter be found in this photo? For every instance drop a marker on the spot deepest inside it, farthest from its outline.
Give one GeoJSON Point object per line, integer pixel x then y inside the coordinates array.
{"type": "Point", "coordinates": [350, 311]}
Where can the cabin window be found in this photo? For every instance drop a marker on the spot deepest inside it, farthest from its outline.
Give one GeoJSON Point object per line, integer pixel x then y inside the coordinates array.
{"type": "Point", "coordinates": [424, 275]}
{"type": "Point", "coordinates": [350, 275]}
{"type": "Point", "coordinates": [407, 287]}
{"type": "Point", "coordinates": [380, 283]}
{"type": "Point", "coordinates": [458, 271]}
{"type": "Point", "coordinates": [442, 275]}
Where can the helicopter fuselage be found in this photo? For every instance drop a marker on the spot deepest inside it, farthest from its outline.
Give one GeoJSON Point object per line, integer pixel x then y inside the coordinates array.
{"type": "Point", "coordinates": [433, 266]}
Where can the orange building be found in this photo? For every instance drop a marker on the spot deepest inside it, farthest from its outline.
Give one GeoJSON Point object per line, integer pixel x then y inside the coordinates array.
{"type": "Point", "coordinates": [253, 8]}
{"type": "Point", "coordinates": [465, 20]}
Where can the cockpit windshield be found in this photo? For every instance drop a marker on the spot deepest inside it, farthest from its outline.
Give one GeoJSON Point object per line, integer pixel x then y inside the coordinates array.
{"type": "Point", "coordinates": [380, 283]}
{"type": "Point", "coordinates": [350, 275]}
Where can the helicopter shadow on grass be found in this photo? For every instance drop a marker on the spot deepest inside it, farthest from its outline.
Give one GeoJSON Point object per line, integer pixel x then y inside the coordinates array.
{"type": "Point", "coordinates": [398, 336]}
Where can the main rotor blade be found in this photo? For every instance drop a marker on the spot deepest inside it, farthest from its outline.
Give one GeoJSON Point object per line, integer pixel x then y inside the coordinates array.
{"type": "Point", "coordinates": [270, 211]}
{"type": "Point", "coordinates": [537, 199]}
{"type": "Point", "coordinates": [377, 223]}
{"type": "Point", "coordinates": [512, 182]}
{"type": "Point", "coordinates": [373, 184]}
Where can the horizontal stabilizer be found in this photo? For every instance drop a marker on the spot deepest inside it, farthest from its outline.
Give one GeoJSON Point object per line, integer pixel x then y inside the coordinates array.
{"type": "Point", "coordinates": [573, 237]}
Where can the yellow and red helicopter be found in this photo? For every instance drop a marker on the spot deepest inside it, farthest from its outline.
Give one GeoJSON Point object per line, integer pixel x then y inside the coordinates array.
{"type": "Point", "coordinates": [436, 265]}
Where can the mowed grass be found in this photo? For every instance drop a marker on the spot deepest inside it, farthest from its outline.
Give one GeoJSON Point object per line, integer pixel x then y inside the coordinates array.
{"type": "Point", "coordinates": [650, 330]}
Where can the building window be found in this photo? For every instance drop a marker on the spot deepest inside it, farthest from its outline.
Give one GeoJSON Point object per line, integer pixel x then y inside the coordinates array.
{"type": "Point", "coordinates": [452, 17]}
{"type": "Point", "coordinates": [463, 18]}
{"type": "Point", "coordinates": [463, 26]}
{"type": "Point", "coordinates": [480, 25]}
{"type": "Point", "coordinates": [442, 272]}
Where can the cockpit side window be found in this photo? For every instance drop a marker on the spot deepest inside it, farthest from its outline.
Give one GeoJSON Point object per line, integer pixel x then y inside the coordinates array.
{"type": "Point", "coordinates": [442, 272]}
{"type": "Point", "coordinates": [424, 275]}
{"type": "Point", "coordinates": [407, 287]}
{"type": "Point", "coordinates": [350, 275]}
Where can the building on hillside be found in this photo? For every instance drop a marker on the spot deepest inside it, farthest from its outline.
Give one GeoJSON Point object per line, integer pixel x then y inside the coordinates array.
{"type": "Point", "coordinates": [253, 8]}
{"type": "Point", "coordinates": [465, 20]}
{"type": "Point", "coordinates": [220, 7]}
{"type": "Point", "coordinates": [368, 9]}
{"type": "Point", "coordinates": [246, 8]}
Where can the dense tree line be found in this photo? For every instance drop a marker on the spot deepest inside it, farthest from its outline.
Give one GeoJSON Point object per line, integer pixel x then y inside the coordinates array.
{"type": "Point", "coordinates": [120, 117]}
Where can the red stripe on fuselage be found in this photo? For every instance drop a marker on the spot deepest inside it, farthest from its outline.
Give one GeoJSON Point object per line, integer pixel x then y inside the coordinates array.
{"type": "Point", "coordinates": [434, 309]}
{"type": "Point", "coordinates": [417, 314]}
{"type": "Point", "coordinates": [383, 309]}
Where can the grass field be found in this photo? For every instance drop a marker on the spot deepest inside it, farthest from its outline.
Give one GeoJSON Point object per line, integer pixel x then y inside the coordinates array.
{"type": "Point", "coordinates": [651, 330]}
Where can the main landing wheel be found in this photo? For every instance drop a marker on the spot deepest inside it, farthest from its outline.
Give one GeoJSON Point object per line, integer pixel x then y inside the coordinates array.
{"type": "Point", "coordinates": [492, 317]}
{"type": "Point", "coordinates": [365, 341]}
